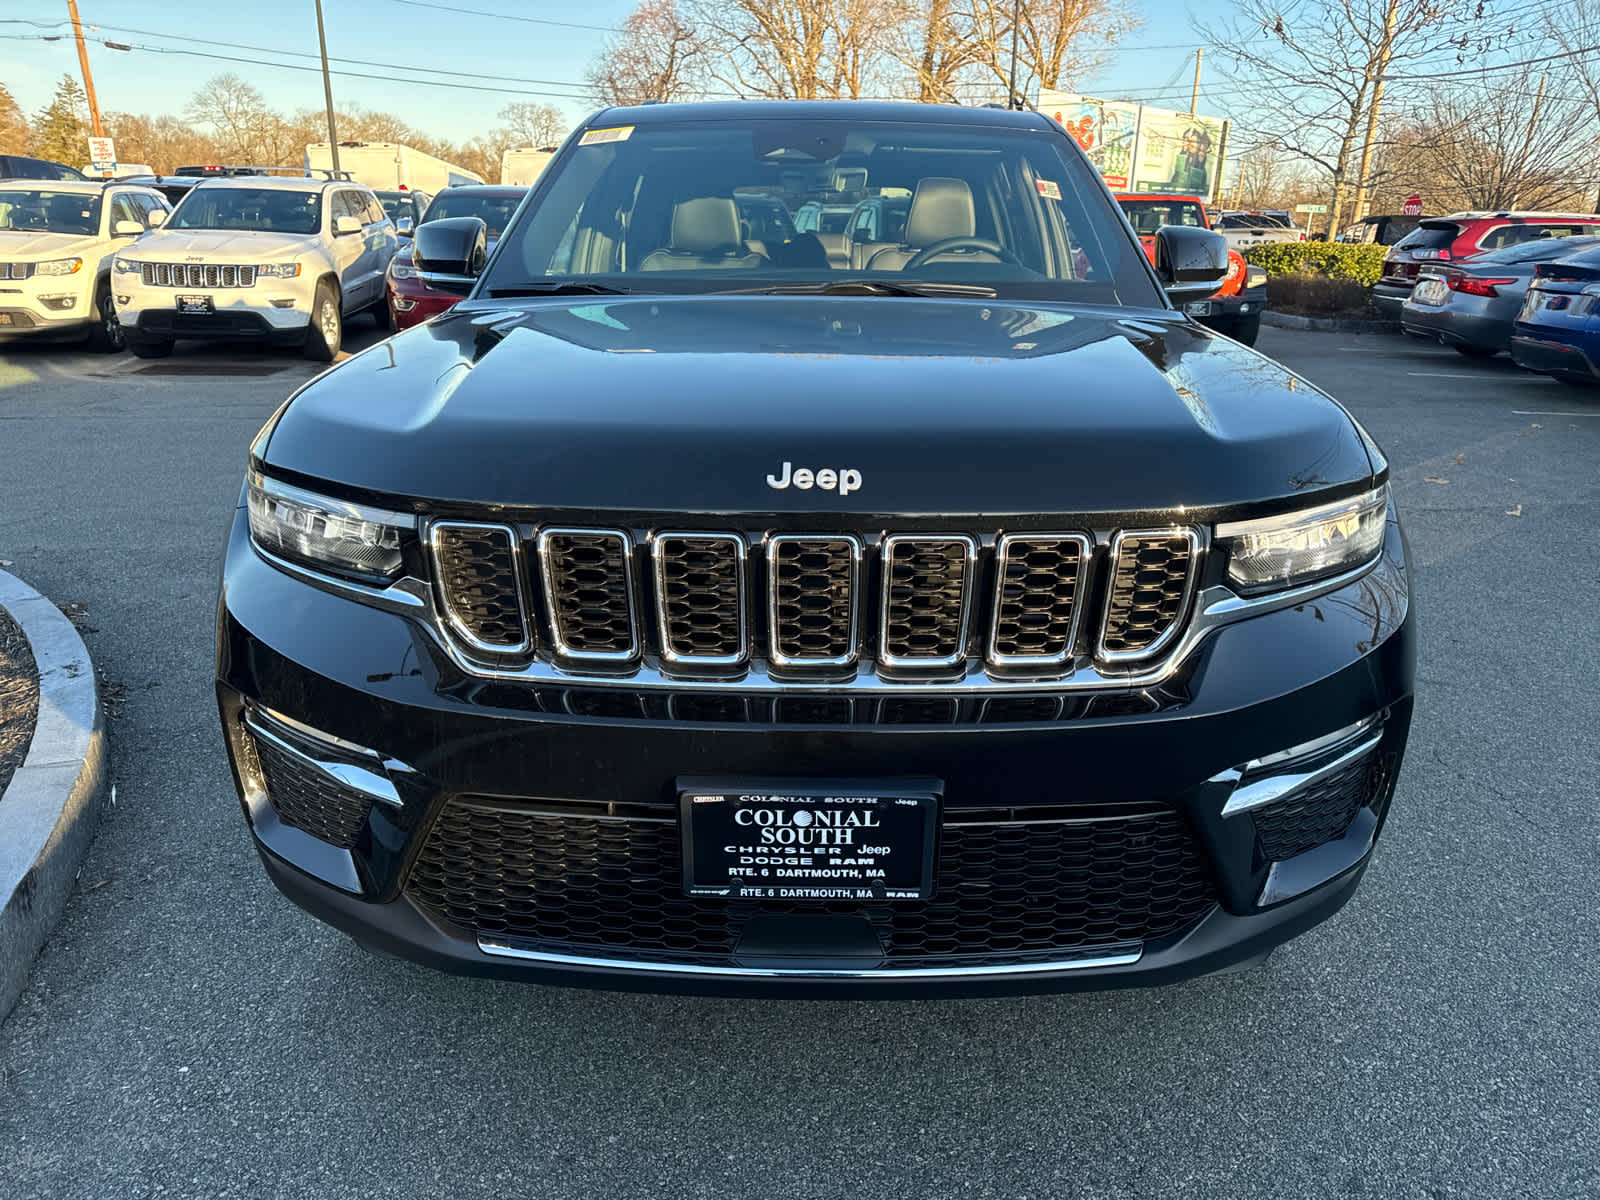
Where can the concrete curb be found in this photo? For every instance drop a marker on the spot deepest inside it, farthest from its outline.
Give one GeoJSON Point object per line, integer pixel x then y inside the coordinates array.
{"type": "Point", "coordinates": [1329, 324]}
{"type": "Point", "coordinates": [51, 806]}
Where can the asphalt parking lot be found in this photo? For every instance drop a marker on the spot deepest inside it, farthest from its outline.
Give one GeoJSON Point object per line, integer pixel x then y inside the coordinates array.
{"type": "Point", "coordinates": [188, 1032]}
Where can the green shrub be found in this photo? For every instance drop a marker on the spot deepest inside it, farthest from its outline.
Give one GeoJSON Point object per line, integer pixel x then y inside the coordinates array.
{"type": "Point", "coordinates": [1334, 260]}
{"type": "Point", "coordinates": [1312, 295]}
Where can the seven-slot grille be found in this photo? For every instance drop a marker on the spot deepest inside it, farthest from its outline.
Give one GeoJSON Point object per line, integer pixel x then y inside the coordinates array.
{"type": "Point", "coordinates": [918, 602]}
{"type": "Point", "coordinates": [198, 275]}
{"type": "Point", "coordinates": [16, 270]}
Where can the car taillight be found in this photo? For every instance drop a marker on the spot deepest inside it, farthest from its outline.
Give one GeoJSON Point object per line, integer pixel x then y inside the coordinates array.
{"type": "Point", "coordinates": [1472, 286]}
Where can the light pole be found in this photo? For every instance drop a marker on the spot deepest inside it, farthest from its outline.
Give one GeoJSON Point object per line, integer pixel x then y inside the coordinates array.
{"type": "Point", "coordinates": [1012, 100]}
{"type": "Point", "coordinates": [327, 91]}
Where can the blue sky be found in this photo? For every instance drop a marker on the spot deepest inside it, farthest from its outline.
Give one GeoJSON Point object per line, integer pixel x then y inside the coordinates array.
{"type": "Point", "coordinates": [408, 33]}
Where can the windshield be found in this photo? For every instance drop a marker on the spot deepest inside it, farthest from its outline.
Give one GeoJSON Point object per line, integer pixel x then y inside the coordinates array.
{"type": "Point", "coordinates": [398, 204]}
{"type": "Point", "coordinates": [1543, 250]}
{"type": "Point", "coordinates": [262, 210]}
{"type": "Point", "coordinates": [1147, 216]}
{"type": "Point", "coordinates": [494, 211]}
{"type": "Point", "coordinates": [676, 207]}
{"type": "Point", "coordinates": [45, 210]}
{"type": "Point", "coordinates": [1253, 221]}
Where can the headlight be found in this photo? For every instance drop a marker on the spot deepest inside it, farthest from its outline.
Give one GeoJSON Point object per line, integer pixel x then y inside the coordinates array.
{"type": "Point", "coordinates": [323, 532]}
{"type": "Point", "coordinates": [125, 266]}
{"type": "Point", "coordinates": [403, 266]}
{"type": "Point", "coordinates": [1298, 547]}
{"type": "Point", "coordinates": [58, 266]}
{"type": "Point", "coordinates": [279, 270]}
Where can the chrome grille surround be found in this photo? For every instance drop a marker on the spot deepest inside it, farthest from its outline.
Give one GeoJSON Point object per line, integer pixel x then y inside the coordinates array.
{"type": "Point", "coordinates": [198, 275]}
{"type": "Point", "coordinates": [16, 270]}
{"type": "Point", "coordinates": [1122, 570]}
{"type": "Point", "coordinates": [787, 596]}
{"type": "Point", "coordinates": [681, 615]}
{"type": "Point", "coordinates": [1017, 620]}
{"type": "Point", "coordinates": [913, 608]}
{"type": "Point", "coordinates": [446, 547]}
{"type": "Point", "coordinates": [590, 600]}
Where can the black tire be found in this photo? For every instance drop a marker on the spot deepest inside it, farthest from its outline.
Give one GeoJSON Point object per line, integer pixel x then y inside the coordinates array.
{"type": "Point", "coordinates": [1475, 351]}
{"type": "Point", "coordinates": [325, 333]}
{"type": "Point", "coordinates": [149, 347]}
{"type": "Point", "coordinates": [106, 334]}
{"type": "Point", "coordinates": [381, 317]}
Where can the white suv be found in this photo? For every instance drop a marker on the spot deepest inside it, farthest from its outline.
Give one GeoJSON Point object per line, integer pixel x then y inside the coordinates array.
{"type": "Point", "coordinates": [257, 256]}
{"type": "Point", "coordinates": [57, 239]}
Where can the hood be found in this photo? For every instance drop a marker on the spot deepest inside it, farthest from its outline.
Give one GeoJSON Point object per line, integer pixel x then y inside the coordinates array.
{"type": "Point", "coordinates": [218, 245]}
{"type": "Point", "coordinates": [27, 245]}
{"type": "Point", "coordinates": [938, 406]}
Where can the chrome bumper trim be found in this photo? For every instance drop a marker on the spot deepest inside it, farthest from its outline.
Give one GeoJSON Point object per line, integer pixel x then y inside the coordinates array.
{"type": "Point", "coordinates": [372, 781]}
{"type": "Point", "coordinates": [1277, 787]}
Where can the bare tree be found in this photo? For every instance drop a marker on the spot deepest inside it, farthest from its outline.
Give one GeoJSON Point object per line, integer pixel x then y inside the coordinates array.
{"type": "Point", "coordinates": [1574, 26]}
{"type": "Point", "coordinates": [1056, 40]}
{"type": "Point", "coordinates": [163, 143]}
{"type": "Point", "coordinates": [13, 125]}
{"type": "Point", "coordinates": [797, 49]}
{"type": "Point", "coordinates": [655, 58]}
{"type": "Point", "coordinates": [534, 124]}
{"type": "Point", "coordinates": [244, 128]}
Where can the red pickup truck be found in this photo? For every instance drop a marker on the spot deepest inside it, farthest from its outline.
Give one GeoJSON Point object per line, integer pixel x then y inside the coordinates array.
{"type": "Point", "coordinates": [1236, 307]}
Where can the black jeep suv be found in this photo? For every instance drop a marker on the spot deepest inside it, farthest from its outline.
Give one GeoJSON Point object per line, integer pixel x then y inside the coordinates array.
{"type": "Point", "coordinates": [678, 613]}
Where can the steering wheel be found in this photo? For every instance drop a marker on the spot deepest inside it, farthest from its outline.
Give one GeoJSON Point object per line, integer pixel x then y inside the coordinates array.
{"type": "Point", "coordinates": [921, 257]}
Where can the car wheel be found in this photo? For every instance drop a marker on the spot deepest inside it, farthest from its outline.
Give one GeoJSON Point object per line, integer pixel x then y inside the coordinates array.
{"type": "Point", "coordinates": [326, 331]}
{"type": "Point", "coordinates": [381, 317]}
{"type": "Point", "coordinates": [106, 334]}
{"type": "Point", "coordinates": [1476, 351]}
{"type": "Point", "coordinates": [150, 347]}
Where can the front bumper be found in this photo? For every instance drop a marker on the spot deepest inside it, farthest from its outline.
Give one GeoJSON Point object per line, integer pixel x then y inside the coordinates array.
{"type": "Point", "coordinates": [48, 307]}
{"type": "Point", "coordinates": [412, 303]}
{"type": "Point", "coordinates": [272, 309]}
{"type": "Point", "coordinates": [1388, 299]}
{"type": "Point", "coordinates": [349, 675]}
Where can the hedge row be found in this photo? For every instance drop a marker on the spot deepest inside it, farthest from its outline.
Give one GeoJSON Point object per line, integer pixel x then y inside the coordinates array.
{"type": "Point", "coordinates": [1362, 263]}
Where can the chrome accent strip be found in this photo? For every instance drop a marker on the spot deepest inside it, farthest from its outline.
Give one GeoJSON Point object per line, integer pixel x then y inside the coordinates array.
{"type": "Point", "coordinates": [370, 782]}
{"type": "Point", "coordinates": [503, 949]}
{"type": "Point", "coordinates": [1038, 661]}
{"type": "Point", "coordinates": [559, 643]}
{"type": "Point", "coordinates": [1179, 623]}
{"type": "Point", "coordinates": [777, 657]}
{"type": "Point", "coordinates": [968, 574]}
{"type": "Point", "coordinates": [457, 627]}
{"type": "Point", "coordinates": [1278, 787]}
{"type": "Point", "coordinates": [670, 656]}
{"type": "Point", "coordinates": [362, 512]}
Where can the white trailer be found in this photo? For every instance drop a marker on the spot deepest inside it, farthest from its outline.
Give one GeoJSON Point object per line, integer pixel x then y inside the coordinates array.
{"type": "Point", "coordinates": [520, 167]}
{"type": "Point", "coordinates": [387, 166]}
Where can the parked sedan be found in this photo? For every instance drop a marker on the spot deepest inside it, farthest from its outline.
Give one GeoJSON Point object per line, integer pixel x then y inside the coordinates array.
{"type": "Point", "coordinates": [411, 301]}
{"type": "Point", "coordinates": [1472, 305]}
{"type": "Point", "coordinates": [1558, 330]}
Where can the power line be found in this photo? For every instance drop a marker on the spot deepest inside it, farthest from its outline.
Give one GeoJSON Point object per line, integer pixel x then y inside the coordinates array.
{"type": "Point", "coordinates": [478, 12]}
{"type": "Point", "coordinates": [1526, 62]}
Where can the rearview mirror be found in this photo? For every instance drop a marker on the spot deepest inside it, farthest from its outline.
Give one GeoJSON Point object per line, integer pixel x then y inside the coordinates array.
{"type": "Point", "coordinates": [1190, 262]}
{"type": "Point", "coordinates": [403, 227]}
{"type": "Point", "coordinates": [450, 253]}
{"type": "Point", "coordinates": [344, 225]}
{"type": "Point", "coordinates": [126, 228]}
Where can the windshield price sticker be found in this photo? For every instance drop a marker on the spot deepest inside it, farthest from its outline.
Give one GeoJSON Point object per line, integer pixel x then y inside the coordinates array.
{"type": "Point", "coordinates": [599, 137]}
{"type": "Point", "coordinates": [1047, 189]}
{"type": "Point", "coordinates": [775, 846]}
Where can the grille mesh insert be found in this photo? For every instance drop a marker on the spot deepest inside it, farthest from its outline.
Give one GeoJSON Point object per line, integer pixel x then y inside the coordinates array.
{"type": "Point", "coordinates": [477, 573]}
{"type": "Point", "coordinates": [924, 599]}
{"type": "Point", "coordinates": [1316, 814]}
{"type": "Point", "coordinates": [1004, 891]}
{"type": "Point", "coordinates": [307, 799]}
{"type": "Point", "coordinates": [1037, 598]}
{"type": "Point", "coordinates": [700, 596]}
{"type": "Point", "coordinates": [813, 591]}
{"type": "Point", "coordinates": [587, 576]}
{"type": "Point", "coordinates": [1149, 588]}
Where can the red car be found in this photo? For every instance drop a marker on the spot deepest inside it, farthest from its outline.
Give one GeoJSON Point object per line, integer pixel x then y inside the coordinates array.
{"type": "Point", "coordinates": [411, 301]}
{"type": "Point", "coordinates": [1236, 307]}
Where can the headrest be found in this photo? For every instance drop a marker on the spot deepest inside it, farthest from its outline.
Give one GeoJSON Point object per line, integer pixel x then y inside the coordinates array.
{"type": "Point", "coordinates": [706, 225]}
{"type": "Point", "coordinates": [941, 208]}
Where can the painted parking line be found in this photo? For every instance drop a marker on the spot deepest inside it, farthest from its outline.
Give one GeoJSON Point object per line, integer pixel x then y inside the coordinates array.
{"type": "Point", "coordinates": [1496, 378]}
{"type": "Point", "coordinates": [1542, 412]}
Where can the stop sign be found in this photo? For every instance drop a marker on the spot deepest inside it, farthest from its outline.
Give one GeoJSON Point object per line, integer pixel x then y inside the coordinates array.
{"type": "Point", "coordinates": [1413, 205]}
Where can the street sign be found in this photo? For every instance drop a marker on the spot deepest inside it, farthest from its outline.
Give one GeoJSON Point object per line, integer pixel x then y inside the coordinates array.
{"type": "Point", "coordinates": [1412, 206]}
{"type": "Point", "coordinates": [1311, 208]}
{"type": "Point", "coordinates": [102, 153]}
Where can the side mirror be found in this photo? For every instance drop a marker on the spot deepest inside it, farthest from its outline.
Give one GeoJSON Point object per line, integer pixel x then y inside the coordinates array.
{"type": "Point", "coordinates": [450, 253]}
{"type": "Point", "coordinates": [157, 218]}
{"type": "Point", "coordinates": [403, 227]}
{"type": "Point", "coordinates": [1190, 262]}
{"type": "Point", "coordinates": [344, 225]}
{"type": "Point", "coordinates": [126, 228]}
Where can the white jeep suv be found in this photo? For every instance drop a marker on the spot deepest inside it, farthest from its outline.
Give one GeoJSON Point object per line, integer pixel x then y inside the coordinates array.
{"type": "Point", "coordinates": [258, 256]}
{"type": "Point", "coordinates": [57, 239]}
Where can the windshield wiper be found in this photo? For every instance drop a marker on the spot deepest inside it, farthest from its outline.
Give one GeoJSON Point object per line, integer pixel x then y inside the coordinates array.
{"type": "Point", "coordinates": [870, 287]}
{"type": "Point", "coordinates": [567, 287]}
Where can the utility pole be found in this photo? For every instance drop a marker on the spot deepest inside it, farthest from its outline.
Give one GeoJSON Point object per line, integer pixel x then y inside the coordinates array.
{"type": "Point", "coordinates": [88, 79]}
{"type": "Point", "coordinates": [327, 89]}
{"type": "Point", "coordinates": [1391, 15]}
{"type": "Point", "coordinates": [1194, 96]}
{"type": "Point", "coordinates": [1016, 23]}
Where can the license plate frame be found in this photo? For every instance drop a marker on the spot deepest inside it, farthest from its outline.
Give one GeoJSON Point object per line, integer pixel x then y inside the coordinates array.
{"type": "Point", "coordinates": [196, 305]}
{"type": "Point", "coordinates": [864, 840]}
{"type": "Point", "coordinates": [1431, 290]}
{"type": "Point", "coordinates": [1198, 308]}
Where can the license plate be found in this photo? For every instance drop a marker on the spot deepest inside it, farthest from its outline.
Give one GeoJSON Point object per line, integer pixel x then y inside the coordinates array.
{"type": "Point", "coordinates": [196, 304]}
{"type": "Point", "coordinates": [1200, 308]}
{"type": "Point", "coordinates": [808, 841]}
{"type": "Point", "coordinates": [1432, 290]}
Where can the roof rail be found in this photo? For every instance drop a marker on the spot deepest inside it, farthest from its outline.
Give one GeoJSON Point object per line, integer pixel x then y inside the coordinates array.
{"type": "Point", "coordinates": [219, 170]}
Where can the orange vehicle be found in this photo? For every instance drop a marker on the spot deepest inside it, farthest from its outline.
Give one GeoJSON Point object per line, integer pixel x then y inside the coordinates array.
{"type": "Point", "coordinates": [1236, 307]}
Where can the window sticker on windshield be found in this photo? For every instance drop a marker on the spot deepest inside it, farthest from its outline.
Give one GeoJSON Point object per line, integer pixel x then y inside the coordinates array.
{"type": "Point", "coordinates": [598, 137]}
{"type": "Point", "coordinates": [1050, 191]}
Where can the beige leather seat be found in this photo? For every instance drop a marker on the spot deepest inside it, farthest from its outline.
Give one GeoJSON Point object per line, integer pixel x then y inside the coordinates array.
{"type": "Point", "coordinates": [940, 209]}
{"type": "Point", "coordinates": [705, 236]}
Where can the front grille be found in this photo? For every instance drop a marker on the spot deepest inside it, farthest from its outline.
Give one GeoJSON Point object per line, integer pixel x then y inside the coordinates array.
{"type": "Point", "coordinates": [16, 270]}
{"type": "Point", "coordinates": [307, 799]}
{"type": "Point", "coordinates": [480, 584]}
{"type": "Point", "coordinates": [812, 589]}
{"type": "Point", "coordinates": [1008, 888]}
{"type": "Point", "coordinates": [1317, 813]}
{"type": "Point", "coordinates": [198, 275]}
{"type": "Point", "coordinates": [1036, 599]}
{"type": "Point", "coordinates": [926, 584]}
{"type": "Point", "coordinates": [589, 582]}
{"type": "Point", "coordinates": [1150, 582]}
{"type": "Point", "coordinates": [700, 597]}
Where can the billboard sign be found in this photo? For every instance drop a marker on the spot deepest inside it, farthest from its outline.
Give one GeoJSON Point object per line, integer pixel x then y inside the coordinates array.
{"type": "Point", "coordinates": [1141, 149]}
{"type": "Point", "coordinates": [1106, 129]}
